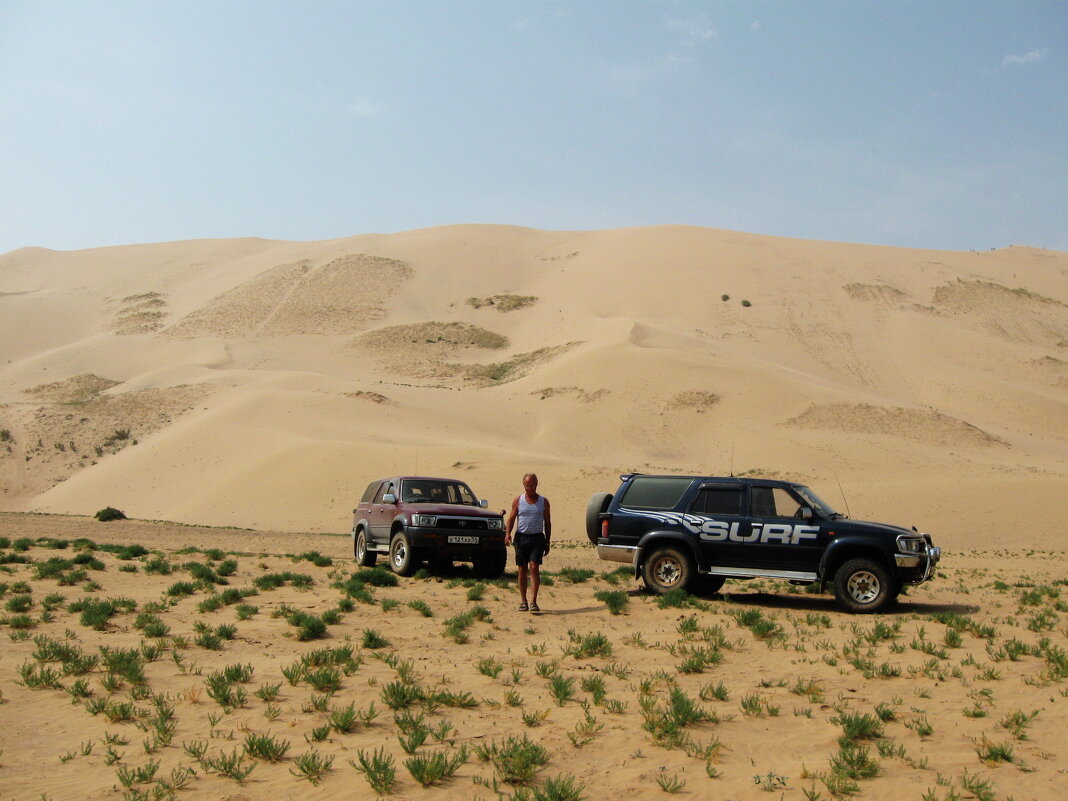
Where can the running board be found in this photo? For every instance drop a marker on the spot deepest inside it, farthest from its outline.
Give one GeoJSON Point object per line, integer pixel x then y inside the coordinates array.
{"type": "Point", "coordinates": [734, 572]}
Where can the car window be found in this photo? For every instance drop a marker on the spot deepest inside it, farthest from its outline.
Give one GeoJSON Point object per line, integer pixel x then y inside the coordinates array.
{"type": "Point", "coordinates": [774, 502]}
{"type": "Point", "coordinates": [718, 501]}
{"type": "Point", "coordinates": [369, 493]}
{"type": "Point", "coordinates": [430, 491]}
{"type": "Point", "coordinates": [387, 487]}
{"type": "Point", "coordinates": [655, 492]}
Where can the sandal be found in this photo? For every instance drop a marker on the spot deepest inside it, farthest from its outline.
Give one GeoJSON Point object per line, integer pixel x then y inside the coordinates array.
{"type": "Point", "coordinates": [534, 607]}
{"type": "Point", "coordinates": [523, 606]}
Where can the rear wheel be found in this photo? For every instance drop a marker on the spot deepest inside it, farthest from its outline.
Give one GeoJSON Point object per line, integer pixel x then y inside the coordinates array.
{"type": "Point", "coordinates": [364, 557]}
{"type": "Point", "coordinates": [668, 568]}
{"type": "Point", "coordinates": [709, 585]}
{"type": "Point", "coordinates": [401, 555]}
{"type": "Point", "coordinates": [861, 585]}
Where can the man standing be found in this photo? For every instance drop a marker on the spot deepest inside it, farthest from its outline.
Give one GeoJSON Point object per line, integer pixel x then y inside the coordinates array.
{"type": "Point", "coordinates": [533, 532]}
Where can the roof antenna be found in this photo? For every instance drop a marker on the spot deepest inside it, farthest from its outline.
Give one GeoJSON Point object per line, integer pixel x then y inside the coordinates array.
{"type": "Point", "coordinates": [845, 500]}
{"type": "Point", "coordinates": [732, 458]}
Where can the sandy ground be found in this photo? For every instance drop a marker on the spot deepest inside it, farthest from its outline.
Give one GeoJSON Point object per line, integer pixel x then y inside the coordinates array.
{"type": "Point", "coordinates": [965, 679]}
{"type": "Point", "coordinates": [260, 385]}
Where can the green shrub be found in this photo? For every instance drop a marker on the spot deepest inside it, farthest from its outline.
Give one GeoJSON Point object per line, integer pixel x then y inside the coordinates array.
{"type": "Point", "coordinates": [615, 600]}
{"type": "Point", "coordinates": [109, 513]}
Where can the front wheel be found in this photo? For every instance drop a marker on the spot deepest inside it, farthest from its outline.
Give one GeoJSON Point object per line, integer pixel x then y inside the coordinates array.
{"type": "Point", "coordinates": [491, 566]}
{"type": "Point", "coordinates": [364, 557]}
{"type": "Point", "coordinates": [667, 569]}
{"type": "Point", "coordinates": [861, 585]}
{"type": "Point", "coordinates": [401, 557]}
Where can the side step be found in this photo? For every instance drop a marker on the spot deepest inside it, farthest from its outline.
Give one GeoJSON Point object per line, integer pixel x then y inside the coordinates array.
{"type": "Point", "coordinates": [741, 572]}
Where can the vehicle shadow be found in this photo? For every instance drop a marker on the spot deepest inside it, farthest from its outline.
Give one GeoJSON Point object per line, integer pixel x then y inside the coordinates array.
{"type": "Point", "coordinates": [825, 603]}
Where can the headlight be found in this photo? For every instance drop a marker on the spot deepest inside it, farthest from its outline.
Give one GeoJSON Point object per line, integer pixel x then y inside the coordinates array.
{"type": "Point", "coordinates": [424, 521]}
{"type": "Point", "coordinates": [911, 544]}
{"type": "Point", "coordinates": [495, 523]}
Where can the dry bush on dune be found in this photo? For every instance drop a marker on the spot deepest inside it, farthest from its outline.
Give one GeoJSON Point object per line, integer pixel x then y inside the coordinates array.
{"type": "Point", "coordinates": [140, 314]}
{"type": "Point", "coordinates": [1018, 315]}
{"type": "Point", "coordinates": [698, 400]}
{"type": "Point", "coordinates": [76, 389]}
{"type": "Point", "coordinates": [520, 365]}
{"type": "Point", "coordinates": [76, 425]}
{"type": "Point", "coordinates": [374, 397]}
{"type": "Point", "coordinates": [503, 303]}
{"type": "Point", "coordinates": [968, 296]}
{"type": "Point", "coordinates": [875, 293]}
{"type": "Point", "coordinates": [432, 337]}
{"type": "Point", "coordinates": [925, 425]}
{"type": "Point", "coordinates": [578, 394]}
{"type": "Point", "coordinates": [302, 298]}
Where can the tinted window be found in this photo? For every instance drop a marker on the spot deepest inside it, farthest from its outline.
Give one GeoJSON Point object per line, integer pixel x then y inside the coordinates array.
{"type": "Point", "coordinates": [423, 490]}
{"type": "Point", "coordinates": [387, 487]}
{"type": "Point", "coordinates": [655, 492]}
{"type": "Point", "coordinates": [718, 501]}
{"type": "Point", "coordinates": [369, 493]}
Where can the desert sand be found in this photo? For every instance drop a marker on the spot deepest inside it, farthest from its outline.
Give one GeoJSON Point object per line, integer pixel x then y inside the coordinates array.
{"type": "Point", "coordinates": [246, 391]}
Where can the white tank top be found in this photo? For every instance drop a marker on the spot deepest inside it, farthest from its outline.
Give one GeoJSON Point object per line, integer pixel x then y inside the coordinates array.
{"type": "Point", "coordinates": [531, 515]}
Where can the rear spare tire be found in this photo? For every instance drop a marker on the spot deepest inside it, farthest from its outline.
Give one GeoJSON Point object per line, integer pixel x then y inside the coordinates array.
{"type": "Point", "coordinates": [598, 503]}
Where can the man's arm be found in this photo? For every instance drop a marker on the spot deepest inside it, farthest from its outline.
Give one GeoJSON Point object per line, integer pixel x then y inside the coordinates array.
{"type": "Point", "coordinates": [548, 525]}
{"type": "Point", "coordinates": [511, 521]}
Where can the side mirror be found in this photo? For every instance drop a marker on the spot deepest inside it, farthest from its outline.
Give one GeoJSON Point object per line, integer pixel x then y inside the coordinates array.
{"type": "Point", "coordinates": [389, 497]}
{"type": "Point", "coordinates": [805, 512]}
{"type": "Point", "coordinates": [483, 503]}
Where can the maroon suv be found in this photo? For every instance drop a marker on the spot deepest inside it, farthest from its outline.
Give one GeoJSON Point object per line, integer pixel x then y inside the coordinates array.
{"type": "Point", "coordinates": [416, 519]}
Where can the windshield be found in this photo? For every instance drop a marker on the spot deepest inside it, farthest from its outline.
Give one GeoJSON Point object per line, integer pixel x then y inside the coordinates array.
{"type": "Point", "coordinates": [820, 507]}
{"type": "Point", "coordinates": [428, 490]}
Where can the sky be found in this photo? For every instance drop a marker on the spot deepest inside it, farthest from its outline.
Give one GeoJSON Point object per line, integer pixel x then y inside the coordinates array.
{"type": "Point", "coordinates": [921, 123]}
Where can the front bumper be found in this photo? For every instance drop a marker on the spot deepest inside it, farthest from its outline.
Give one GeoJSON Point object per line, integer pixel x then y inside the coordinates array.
{"type": "Point", "coordinates": [922, 564]}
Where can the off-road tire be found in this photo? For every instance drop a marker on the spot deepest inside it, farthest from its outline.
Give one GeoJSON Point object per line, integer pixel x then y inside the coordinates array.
{"type": "Point", "coordinates": [668, 568]}
{"type": "Point", "coordinates": [364, 557]}
{"type": "Point", "coordinates": [864, 586]}
{"type": "Point", "coordinates": [491, 565]}
{"type": "Point", "coordinates": [598, 503]}
{"type": "Point", "coordinates": [402, 559]}
{"type": "Point", "coordinates": [708, 585]}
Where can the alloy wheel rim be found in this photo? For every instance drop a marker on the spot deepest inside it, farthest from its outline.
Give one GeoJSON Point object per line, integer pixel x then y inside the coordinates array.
{"type": "Point", "coordinates": [863, 586]}
{"type": "Point", "coordinates": [668, 572]}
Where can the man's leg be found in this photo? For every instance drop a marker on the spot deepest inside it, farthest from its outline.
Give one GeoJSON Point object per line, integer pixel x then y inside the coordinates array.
{"type": "Point", "coordinates": [523, 584]}
{"type": "Point", "coordinates": [535, 581]}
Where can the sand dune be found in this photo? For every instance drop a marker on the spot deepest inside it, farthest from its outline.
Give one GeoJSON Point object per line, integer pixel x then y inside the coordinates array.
{"type": "Point", "coordinates": [261, 385]}
{"type": "Point", "coordinates": [243, 368]}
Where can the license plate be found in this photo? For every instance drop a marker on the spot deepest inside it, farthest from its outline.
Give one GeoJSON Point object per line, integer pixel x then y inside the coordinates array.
{"type": "Point", "coordinates": [456, 539]}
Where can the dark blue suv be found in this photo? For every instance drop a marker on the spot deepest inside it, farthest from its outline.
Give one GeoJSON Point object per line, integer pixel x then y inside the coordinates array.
{"type": "Point", "coordinates": [694, 532]}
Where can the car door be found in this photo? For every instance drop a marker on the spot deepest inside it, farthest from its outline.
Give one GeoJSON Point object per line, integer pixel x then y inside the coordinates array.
{"type": "Point", "coordinates": [380, 515]}
{"type": "Point", "coordinates": [716, 510]}
{"type": "Point", "coordinates": [781, 539]}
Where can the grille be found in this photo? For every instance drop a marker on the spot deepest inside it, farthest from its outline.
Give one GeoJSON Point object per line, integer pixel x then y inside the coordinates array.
{"type": "Point", "coordinates": [462, 523]}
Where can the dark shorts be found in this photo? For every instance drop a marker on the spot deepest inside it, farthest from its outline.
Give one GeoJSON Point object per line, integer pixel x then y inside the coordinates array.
{"type": "Point", "coordinates": [529, 548]}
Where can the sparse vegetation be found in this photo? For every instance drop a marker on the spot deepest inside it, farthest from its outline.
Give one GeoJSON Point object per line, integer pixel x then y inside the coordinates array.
{"type": "Point", "coordinates": [101, 654]}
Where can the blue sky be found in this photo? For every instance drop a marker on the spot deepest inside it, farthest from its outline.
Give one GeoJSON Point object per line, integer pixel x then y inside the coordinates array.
{"type": "Point", "coordinates": [920, 124]}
